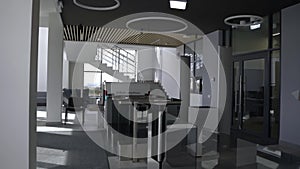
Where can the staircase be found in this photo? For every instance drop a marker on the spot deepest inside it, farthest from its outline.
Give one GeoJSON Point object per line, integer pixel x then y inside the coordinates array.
{"type": "Point", "coordinates": [109, 70]}
{"type": "Point", "coordinates": [157, 85]}
{"type": "Point", "coordinates": [121, 64]}
{"type": "Point", "coordinates": [116, 62]}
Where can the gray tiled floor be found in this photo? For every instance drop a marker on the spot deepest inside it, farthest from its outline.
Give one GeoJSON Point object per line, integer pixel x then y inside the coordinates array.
{"type": "Point", "coordinates": [69, 147]}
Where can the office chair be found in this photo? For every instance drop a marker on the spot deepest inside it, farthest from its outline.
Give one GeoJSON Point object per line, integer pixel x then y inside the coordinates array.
{"type": "Point", "coordinates": [74, 104]}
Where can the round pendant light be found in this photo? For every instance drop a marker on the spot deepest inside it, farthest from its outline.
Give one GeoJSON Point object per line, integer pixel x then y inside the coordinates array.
{"type": "Point", "coordinates": [243, 20]}
{"type": "Point", "coordinates": [79, 4]}
{"type": "Point", "coordinates": [157, 24]}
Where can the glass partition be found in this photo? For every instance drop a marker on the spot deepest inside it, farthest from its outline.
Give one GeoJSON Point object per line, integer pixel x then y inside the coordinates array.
{"type": "Point", "coordinates": [248, 39]}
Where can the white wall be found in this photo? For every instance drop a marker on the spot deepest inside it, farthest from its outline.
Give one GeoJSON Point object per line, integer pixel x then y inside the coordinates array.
{"type": "Point", "coordinates": [19, 51]}
{"type": "Point", "coordinates": [147, 63]}
{"type": "Point", "coordinates": [42, 59]}
{"type": "Point", "coordinates": [170, 66]}
{"type": "Point", "coordinates": [184, 87]}
{"type": "Point", "coordinates": [161, 64]}
{"type": "Point", "coordinates": [81, 51]}
{"type": "Point", "coordinates": [290, 81]}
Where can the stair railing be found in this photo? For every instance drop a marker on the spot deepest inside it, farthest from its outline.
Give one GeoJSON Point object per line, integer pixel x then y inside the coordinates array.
{"type": "Point", "coordinates": [119, 59]}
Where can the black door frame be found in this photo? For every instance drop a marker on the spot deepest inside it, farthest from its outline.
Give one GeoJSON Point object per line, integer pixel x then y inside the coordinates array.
{"type": "Point", "coordinates": [265, 136]}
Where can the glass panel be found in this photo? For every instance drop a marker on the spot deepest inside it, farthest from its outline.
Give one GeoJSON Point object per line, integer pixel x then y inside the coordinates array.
{"type": "Point", "coordinates": [198, 55]}
{"type": "Point", "coordinates": [274, 94]}
{"type": "Point", "coordinates": [245, 39]}
{"type": "Point", "coordinates": [253, 99]}
{"type": "Point", "coordinates": [236, 91]}
{"type": "Point", "coordinates": [276, 30]}
{"type": "Point", "coordinates": [190, 51]}
{"type": "Point", "coordinates": [92, 82]}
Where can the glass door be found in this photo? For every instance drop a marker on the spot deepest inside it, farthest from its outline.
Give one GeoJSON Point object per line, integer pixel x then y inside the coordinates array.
{"type": "Point", "coordinates": [251, 95]}
{"type": "Point", "coordinates": [253, 86]}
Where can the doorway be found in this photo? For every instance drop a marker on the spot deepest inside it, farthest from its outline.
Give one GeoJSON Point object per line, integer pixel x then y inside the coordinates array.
{"type": "Point", "coordinates": [254, 81]}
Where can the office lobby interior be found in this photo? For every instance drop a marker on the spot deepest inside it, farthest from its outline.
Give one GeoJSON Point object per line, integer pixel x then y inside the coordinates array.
{"type": "Point", "coordinates": [161, 84]}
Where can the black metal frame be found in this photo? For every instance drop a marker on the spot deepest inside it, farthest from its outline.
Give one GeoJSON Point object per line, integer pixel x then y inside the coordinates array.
{"type": "Point", "coordinates": [265, 136]}
{"type": "Point", "coordinates": [266, 55]}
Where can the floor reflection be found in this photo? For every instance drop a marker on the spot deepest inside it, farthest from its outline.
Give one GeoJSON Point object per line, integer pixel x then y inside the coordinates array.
{"type": "Point", "coordinates": [69, 147]}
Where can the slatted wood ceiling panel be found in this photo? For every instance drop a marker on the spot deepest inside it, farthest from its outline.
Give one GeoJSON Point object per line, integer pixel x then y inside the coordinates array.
{"type": "Point", "coordinates": [122, 36]}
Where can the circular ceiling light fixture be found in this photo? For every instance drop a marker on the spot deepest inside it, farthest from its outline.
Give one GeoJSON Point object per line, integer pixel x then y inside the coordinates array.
{"type": "Point", "coordinates": [79, 4]}
{"type": "Point", "coordinates": [243, 20]}
{"type": "Point", "coordinates": [157, 24]}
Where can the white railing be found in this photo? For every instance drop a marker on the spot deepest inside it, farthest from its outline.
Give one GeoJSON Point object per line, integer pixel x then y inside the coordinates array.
{"type": "Point", "coordinates": [119, 59]}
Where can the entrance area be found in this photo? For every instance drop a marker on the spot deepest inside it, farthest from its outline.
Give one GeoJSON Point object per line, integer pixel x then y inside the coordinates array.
{"type": "Point", "coordinates": [255, 96]}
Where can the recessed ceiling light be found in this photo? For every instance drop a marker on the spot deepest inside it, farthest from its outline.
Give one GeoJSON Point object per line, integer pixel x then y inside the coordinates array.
{"type": "Point", "coordinates": [178, 4]}
{"type": "Point", "coordinates": [253, 27]}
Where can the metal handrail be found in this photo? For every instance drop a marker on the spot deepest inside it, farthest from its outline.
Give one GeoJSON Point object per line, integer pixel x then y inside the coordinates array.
{"type": "Point", "coordinates": [105, 58]}
{"type": "Point", "coordinates": [119, 57]}
{"type": "Point", "coordinates": [130, 68]}
{"type": "Point", "coordinates": [126, 52]}
{"type": "Point", "coordinates": [118, 60]}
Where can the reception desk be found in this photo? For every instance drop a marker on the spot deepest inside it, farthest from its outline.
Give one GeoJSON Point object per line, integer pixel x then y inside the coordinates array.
{"type": "Point", "coordinates": [137, 117]}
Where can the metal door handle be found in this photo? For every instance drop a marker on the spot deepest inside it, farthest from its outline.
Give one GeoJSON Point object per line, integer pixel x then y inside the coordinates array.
{"type": "Point", "coordinates": [240, 99]}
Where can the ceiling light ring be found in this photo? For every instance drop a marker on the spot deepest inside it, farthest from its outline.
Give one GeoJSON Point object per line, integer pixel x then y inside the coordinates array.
{"type": "Point", "coordinates": [185, 26]}
{"type": "Point", "coordinates": [254, 20]}
{"type": "Point", "coordinates": [117, 5]}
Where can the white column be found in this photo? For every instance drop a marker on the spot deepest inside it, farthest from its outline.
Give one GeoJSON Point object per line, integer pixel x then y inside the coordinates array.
{"type": "Point", "coordinates": [184, 88]}
{"type": "Point", "coordinates": [42, 59]}
{"type": "Point", "coordinates": [18, 47]}
{"type": "Point", "coordinates": [65, 71]}
{"type": "Point", "coordinates": [55, 68]}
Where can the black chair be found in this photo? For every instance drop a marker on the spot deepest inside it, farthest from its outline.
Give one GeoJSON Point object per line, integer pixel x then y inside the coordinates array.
{"type": "Point", "coordinates": [142, 107]}
{"type": "Point", "coordinates": [41, 98]}
{"type": "Point", "coordinates": [67, 93]}
{"type": "Point", "coordinates": [85, 96]}
{"type": "Point", "coordinates": [74, 104]}
{"type": "Point", "coordinates": [142, 130]}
